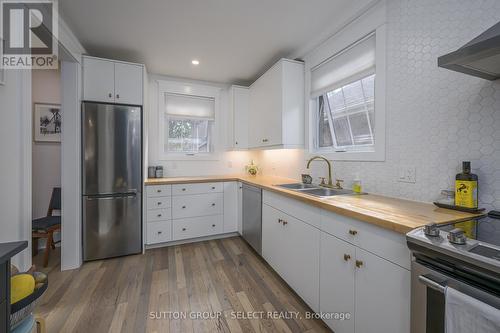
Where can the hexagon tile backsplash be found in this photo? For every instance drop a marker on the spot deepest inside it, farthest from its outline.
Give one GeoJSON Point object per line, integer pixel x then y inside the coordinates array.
{"type": "Point", "coordinates": [436, 118]}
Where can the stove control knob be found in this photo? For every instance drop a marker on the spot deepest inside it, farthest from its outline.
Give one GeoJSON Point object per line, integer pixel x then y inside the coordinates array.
{"type": "Point", "coordinates": [431, 230]}
{"type": "Point", "coordinates": [457, 236]}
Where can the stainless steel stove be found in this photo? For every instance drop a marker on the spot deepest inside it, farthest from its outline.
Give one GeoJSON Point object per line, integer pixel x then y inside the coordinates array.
{"type": "Point", "coordinates": [443, 257]}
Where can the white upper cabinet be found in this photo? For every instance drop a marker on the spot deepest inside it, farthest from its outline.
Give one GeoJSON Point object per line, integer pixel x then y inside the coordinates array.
{"type": "Point", "coordinates": [239, 104]}
{"type": "Point", "coordinates": [128, 83]}
{"type": "Point", "coordinates": [98, 80]}
{"type": "Point", "coordinates": [111, 81]}
{"type": "Point", "coordinates": [276, 108]}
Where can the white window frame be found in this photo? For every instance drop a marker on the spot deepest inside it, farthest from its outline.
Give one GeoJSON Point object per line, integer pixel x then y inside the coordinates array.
{"type": "Point", "coordinates": [182, 88]}
{"type": "Point", "coordinates": [364, 26]}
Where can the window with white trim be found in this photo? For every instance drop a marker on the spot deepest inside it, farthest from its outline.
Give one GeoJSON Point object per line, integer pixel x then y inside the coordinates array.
{"type": "Point", "coordinates": [189, 122]}
{"type": "Point", "coordinates": [344, 96]}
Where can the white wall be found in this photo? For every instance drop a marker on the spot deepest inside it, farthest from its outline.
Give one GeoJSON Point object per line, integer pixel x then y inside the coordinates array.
{"type": "Point", "coordinates": [13, 181]}
{"type": "Point", "coordinates": [46, 160]}
{"type": "Point", "coordinates": [226, 161]}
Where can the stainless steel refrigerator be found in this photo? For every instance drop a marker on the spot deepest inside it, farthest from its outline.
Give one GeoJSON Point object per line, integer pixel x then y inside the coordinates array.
{"type": "Point", "coordinates": [111, 180]}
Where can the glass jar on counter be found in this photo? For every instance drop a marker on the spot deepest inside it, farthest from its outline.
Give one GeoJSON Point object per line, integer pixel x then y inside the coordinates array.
{"type": "Point", "coordinates": [447, 197]}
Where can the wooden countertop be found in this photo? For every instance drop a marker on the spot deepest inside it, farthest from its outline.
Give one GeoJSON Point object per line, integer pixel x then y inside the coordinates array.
{"type": "Point", "coordinates": [394, 214]}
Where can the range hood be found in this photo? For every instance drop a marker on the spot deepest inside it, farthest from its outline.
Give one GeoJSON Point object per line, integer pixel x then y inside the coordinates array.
{"type": "Point", "coordinates": [480, 57]}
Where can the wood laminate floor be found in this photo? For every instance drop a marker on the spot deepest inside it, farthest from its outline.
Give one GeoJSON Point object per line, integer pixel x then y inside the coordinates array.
{"type": "Point", "coordinates": [223, 279]}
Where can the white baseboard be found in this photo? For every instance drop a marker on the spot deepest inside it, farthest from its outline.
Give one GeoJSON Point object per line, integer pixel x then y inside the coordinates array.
{"type": "Point", "coordinates": [191, 240]}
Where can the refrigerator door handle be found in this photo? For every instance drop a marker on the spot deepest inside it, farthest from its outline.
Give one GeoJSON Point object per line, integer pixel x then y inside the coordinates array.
{"type": "Point", "coordinates": [111, 196]}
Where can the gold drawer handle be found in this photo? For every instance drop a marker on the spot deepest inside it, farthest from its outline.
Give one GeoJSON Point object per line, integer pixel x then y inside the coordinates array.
{"type": "Point", "coordinates": [359, 263]}
{"type": "Point", "coordinates": [183, 229]}
{"type": "Point", "coordinates": [353, 232]}
{"type": "Point", "coordinates": [213, 225]}
{"type": "Point", "coordinates": [159, 215]}
{"type": "Point", "coordinates": [285, 222]}
{"type": "Point", "coordinates": [347, 257]}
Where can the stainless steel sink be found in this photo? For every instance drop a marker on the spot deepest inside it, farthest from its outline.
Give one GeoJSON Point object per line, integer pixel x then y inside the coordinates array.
{"type": "Point", "coordinates": [298, 186]}
{"type": "Point", "coordinates": [326, 192]}
{"type": "Point", "coordinates": [315, 190]}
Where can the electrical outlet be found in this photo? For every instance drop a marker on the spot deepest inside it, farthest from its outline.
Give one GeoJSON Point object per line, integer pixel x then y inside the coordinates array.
{"type": "Point", "coordinates": [407, 174]}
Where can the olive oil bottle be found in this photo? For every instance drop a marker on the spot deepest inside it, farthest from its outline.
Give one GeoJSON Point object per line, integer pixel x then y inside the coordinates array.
{"type": "Point", "coordinates": [466, 191]}
{"type": "Point", "coordinates": [466, 195]}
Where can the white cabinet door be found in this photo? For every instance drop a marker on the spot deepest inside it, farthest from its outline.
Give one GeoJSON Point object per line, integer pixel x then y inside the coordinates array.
{"type": "Point", "coordinates": [266, 109]}
{"type": "Point", "coordinates": [382, 295]}
{"type": "Point", "coordinates": [98, 80]}
{"type": "Point", "coordinates": [337, 281]}
{"type": "Point", "coordinates": [272, 236]}
{"type": "Point", "coordinates": [291, 247]}
{"type": "Point", "coordinates": [230, 207]}
{"type": "Point", "coordinates": [240, 106]}
{"type": "Point", "coordinates": [128, 83]}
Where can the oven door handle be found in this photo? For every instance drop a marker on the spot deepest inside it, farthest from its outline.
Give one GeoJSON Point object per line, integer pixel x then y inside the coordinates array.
{"type": "Point", "coordinates": [431, 283]}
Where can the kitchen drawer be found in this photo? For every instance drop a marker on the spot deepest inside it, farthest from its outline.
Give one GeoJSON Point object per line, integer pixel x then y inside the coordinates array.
{"type": "Point", "coordinates": [198, 188]}
{"type": "Point", "coordinates": [159, 191]}
{"type": "Point", "coordinates": [159, 232]}
{"type": "Point", "coordinates": [304, 212]}
{"type": "Point", "coordinates": [197, 205]}
{"type": "Point", "coordinates": [382, 242]}
{"type": "Point", "coordinates": [197, 227]}
{"type": "Point", "coordinates": [159, 203]}
{"type": "Point", "coordinates": [159, 214]}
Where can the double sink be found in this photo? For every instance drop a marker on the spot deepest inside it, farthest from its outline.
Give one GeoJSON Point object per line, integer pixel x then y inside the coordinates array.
{"type": "Point", "coordinates": [315, 190]}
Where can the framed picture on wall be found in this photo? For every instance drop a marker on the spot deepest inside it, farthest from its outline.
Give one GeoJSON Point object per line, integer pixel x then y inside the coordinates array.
{"type": "Point", "coordinates": [47, 123]}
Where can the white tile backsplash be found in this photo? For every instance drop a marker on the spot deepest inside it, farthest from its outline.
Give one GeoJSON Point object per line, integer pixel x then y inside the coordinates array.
{"type": "Point", "coordinates": [436, 118]}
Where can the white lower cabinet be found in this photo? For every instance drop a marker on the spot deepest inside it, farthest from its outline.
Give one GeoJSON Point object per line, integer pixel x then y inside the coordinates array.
{"type": "Point", "coordinates": [382, 295]}
{"type": "Point", "coordinates": [364, 276]}
{"type": "Point", "coordinates": [159, 232]}
{"type": "Point", "coordinates": [337, 281]}
{"type": "Point", "coordinates": [186, 211]}
{"type": "Point", "coordinates": [291, 247]}
{"type": "Point", "coordinates": [197, 227]}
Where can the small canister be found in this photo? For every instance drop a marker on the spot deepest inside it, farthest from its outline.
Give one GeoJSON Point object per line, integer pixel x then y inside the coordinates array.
{"type": "Point", "coordinates": [159, 172]}
{"type": "Point", "coordinates": [152, 172]}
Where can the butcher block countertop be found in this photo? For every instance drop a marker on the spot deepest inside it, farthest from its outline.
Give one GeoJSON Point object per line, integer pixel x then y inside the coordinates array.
{"type": "Point", "coordinates": [390, 213]}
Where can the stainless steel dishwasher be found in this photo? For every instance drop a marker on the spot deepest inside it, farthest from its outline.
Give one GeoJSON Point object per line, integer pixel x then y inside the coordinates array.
{"type": "Point", "coordinates": [252, 216]}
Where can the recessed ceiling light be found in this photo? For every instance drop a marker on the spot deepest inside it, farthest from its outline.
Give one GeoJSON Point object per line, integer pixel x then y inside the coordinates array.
{"type": "Point", "coordinates": [195, 62]}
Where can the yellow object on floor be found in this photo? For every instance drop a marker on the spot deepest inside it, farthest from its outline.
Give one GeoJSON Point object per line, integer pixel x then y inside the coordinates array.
{"type": "Point", "coordinates": [21, 286]}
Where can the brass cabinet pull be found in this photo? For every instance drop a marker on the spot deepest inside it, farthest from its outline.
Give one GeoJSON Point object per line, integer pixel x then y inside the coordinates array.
{"type": "Point", "coordinates": [159, 203]}
{"type": "Point", "coordinates": [183, 229]}
{"type": "Point", "coordinates": [159, 232]}
{"type": "Point", "coordinates": [213, 225]}
{"type": "Point", "coordinates": [213, 205]}
{"type": "Point", "coordinates": [159, 215]}
{"type": "Point", "coordinates": [359, 263]}
{"type": "Point", "coordinates": [353, 232]}
{"type": "Point", "coordinates": [265, 140]}
{"type": "Point", "coordinates": [110, 95]}
{"type": "Point", "coordinates": [183, 189]}
{"type": "Point", "coordinates": [285, 222]}
{"type": "Point", "coordinates": [347, 257]}
{"type": "Point", "coordinates": [213, 187]}
{"type": "Point", "coordinates": [183, 207]}
{"type": "Point", "coordinates": [158, 191]}
{"type": "Point", "coordinates": [117, 95]}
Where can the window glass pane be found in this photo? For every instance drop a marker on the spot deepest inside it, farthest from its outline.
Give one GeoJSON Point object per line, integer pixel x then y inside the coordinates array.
{"type": "Point", "coordinates": [324, 134]}
{"type": "Point", "coordinates": [360, 129]}
{"type": "Point", "coordinates": [188, 135]}
{"type": "Point", "coordinates": [351, 109]}
{"type": "Point", "coordinates": [369, 86]}
{"type": "Point", "coordinates": [342, 132]}
{"type": "Point", "coordinates": [353, 93]}
{"type": "Point", "coordinates": [336, 99]}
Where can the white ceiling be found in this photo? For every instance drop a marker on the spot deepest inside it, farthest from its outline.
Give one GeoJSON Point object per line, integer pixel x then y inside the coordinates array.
{"type": "Point", "coordinates": [234, 40]}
